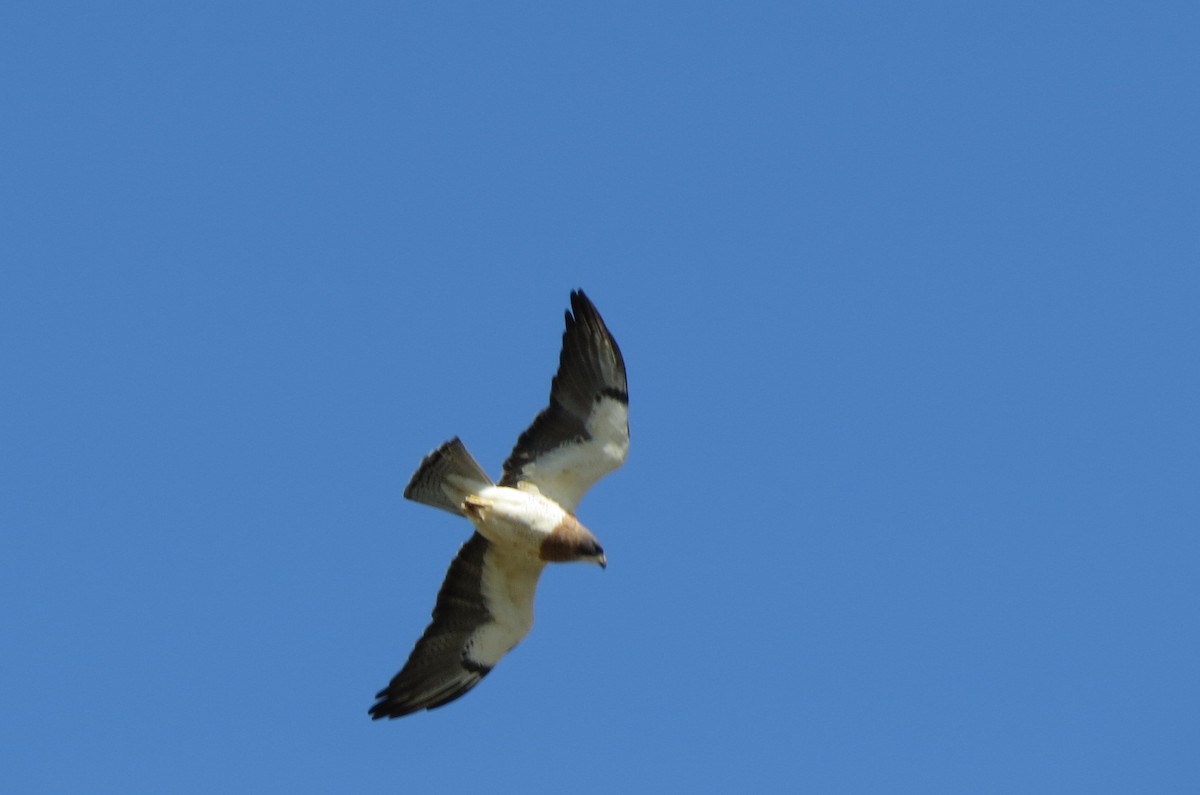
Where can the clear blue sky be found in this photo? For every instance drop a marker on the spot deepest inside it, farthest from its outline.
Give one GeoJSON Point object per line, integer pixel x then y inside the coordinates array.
{"type": "Point", "coordinates": [910, 300]}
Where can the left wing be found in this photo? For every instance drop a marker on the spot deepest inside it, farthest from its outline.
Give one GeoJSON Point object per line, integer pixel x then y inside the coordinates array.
{"type": "Point", "coordinates": [484, 608]}
{"type": "Point", "coordinates": [584, 433]}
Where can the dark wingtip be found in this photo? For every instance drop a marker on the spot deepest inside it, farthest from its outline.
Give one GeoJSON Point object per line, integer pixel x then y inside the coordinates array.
{"type": "Point", "coordinates": [580, 302]}
{"type": "Point", "coordinates": [382, 708]}
{"type": "Point", "coordinates": [392, 708]}
{"type": "Point", "coordinates": [380, 711]}
{"type": "Point", "coordinates": [386, 708]}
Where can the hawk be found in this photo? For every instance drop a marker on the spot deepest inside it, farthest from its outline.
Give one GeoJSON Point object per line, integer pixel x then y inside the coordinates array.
{"type": "Point", "coordinates": [485, 605]}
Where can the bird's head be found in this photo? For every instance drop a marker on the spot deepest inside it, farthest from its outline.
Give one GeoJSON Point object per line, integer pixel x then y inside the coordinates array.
{"type": "Point", "coordinates": [592, 552]}
{"type": "Point", "coordinates": [571, 541]}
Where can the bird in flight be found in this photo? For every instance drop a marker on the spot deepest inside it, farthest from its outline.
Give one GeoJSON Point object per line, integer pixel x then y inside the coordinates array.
{"type": "Point", "coordinates": [485, 605]}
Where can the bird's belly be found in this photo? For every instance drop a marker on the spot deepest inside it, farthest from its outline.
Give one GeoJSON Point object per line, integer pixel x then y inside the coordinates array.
{"type": "Point", "coordinates": [513, 518]}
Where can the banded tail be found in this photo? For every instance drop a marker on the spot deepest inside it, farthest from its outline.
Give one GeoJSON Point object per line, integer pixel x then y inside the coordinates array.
{"type": "Point", "coordinates": [447, 477]}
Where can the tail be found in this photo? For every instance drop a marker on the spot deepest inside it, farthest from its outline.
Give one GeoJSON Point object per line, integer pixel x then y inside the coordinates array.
{"type": "Point", "coordinates": [446, 477]}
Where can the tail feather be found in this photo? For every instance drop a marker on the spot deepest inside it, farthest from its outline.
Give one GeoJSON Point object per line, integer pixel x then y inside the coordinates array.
{"type": "Point", "coordinates": [446, 477]}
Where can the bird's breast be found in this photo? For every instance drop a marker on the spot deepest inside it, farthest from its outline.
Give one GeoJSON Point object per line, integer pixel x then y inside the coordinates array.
{"type": "Point", "coordinates": [514, 518]}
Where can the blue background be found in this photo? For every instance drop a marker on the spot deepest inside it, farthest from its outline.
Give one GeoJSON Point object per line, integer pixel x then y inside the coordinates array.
{"type": "Point", "coordinates": [909, 299]}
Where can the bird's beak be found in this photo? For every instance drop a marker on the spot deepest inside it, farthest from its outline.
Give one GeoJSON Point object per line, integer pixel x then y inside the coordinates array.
{"type": "Point", "coordinates": [603, 561]}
